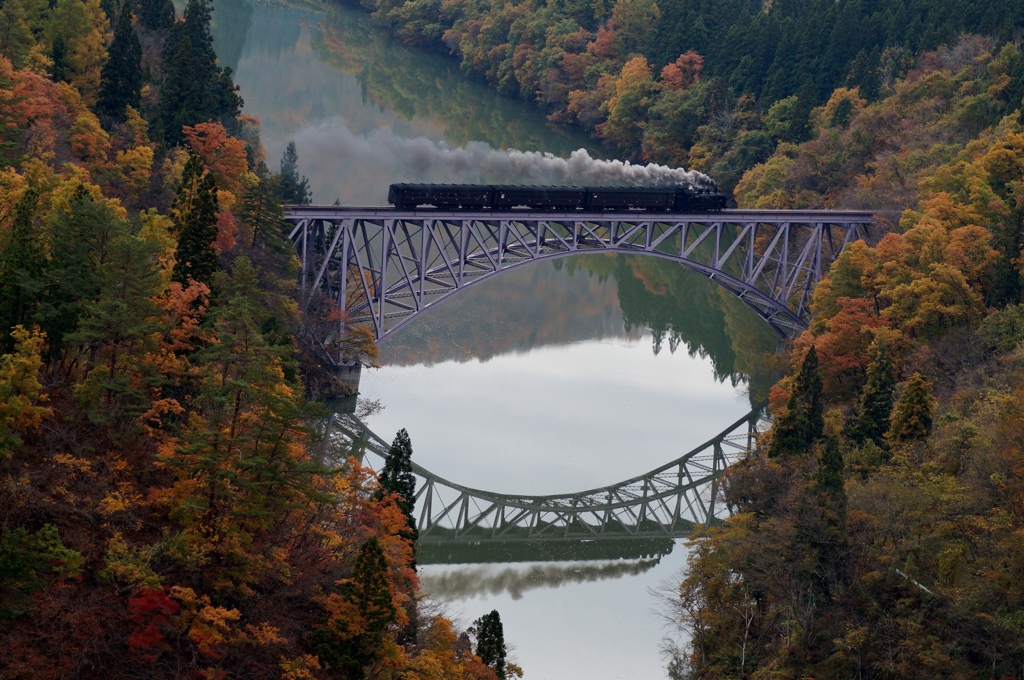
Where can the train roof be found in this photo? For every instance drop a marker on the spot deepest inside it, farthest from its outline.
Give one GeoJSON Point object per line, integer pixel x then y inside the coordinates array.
{"type": "Point", "coordinates": [547, 187]}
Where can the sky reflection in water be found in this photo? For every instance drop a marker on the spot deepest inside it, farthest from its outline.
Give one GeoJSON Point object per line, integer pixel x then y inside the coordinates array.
{"type": "Point", "coordinates": [542, 380]}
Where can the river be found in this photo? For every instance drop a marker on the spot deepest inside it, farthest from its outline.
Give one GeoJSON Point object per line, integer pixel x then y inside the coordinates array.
{"type": "Point", "coordinates": [556, 377]}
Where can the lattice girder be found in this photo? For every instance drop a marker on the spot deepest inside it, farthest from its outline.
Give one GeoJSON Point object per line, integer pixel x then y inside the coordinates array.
{"type": "Point", "coordinates": [667, 501]}
{"type": "Point", "coordinates": [383, 267]}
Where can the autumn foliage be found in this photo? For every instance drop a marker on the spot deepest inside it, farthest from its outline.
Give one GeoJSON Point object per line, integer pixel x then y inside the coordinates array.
{"type": "Point", "coordinates": [166, 507]}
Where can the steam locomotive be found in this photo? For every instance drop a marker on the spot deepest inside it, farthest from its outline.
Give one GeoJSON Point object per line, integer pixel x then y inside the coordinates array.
{"type": "Point", "coordinates": [596, 199]}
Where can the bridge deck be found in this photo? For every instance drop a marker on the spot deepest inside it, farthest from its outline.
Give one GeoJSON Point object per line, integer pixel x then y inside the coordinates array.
{"type": "Point", "coordinates": [329, 212]}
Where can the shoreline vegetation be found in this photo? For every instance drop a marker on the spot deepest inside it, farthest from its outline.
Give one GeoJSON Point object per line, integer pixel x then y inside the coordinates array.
{"type": "Point", "coordinates": [876, 531]}
{"type": "Point", "coordinates": [166, 509]}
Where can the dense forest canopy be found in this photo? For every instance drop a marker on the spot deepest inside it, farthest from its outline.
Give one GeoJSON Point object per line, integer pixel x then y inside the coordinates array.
{"type": "Point", "coordinates": [876, 530]}
{"type": "Point", "coordinates": [166, 506]}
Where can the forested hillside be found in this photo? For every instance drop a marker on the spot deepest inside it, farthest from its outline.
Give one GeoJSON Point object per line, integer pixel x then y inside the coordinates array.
{"type": "Point", "coordinates": [876, 533]}
{"type": "Point", "coordinates": [166, 509]}
{"type": "Point", "coordinates": [711, 85]}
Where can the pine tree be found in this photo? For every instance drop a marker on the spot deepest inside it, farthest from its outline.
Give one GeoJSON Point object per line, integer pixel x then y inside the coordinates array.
{"type": "Point", "coordinates": [196, 222]}
{"type": "Point", "coordinates": [490, 642]}
{"type": "Point", "coordinates": [828, 478]}
{"type": "Point", "coordinates": [262, 217]}
{"type": "Point", "coordinates": [804, 421]}
{"type": "Point", "coordinates": [293, 188]}
{"type": "Point", "coordinates": [397, 478]}
{"type": "Point", "coordinates": [195, 89]}
{"type": "Point", "coordinates": [116, 332]}
{"type": "Point", "coordinates": [869, 420]}
{"type": "Point", "coordinates": [369, 591]}
{"type": "Point", "coordinates": [80, 238]}
{"type": "Point", "coordinates": [912, 414]}
{"type": "Point", "coordinates": [156, 15]}
{"type": "Point", "coordinates": [22, 262]}
{"type": "Point", "coordinates": [121, 78]}
{"type": "Point", "coordinates": [60, 72]}
{"type": "Point", "coordinates": [15, 35]}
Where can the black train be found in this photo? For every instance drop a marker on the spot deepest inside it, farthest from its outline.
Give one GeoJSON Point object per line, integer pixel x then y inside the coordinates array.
{"type": "Point", "coordinates": [487, 197]}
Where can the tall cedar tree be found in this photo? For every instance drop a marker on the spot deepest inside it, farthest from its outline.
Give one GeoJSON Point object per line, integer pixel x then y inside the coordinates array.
{"type": "Point", "coordinates": [869, 420]}
{"type": "Point", "coordinates": [490, 642]}
{"type": "Point", "coordinates": [116, 331]}
{"type": "Point", "coordinates": [121, 79]}
{"type": "Point", "coordinates": [397, 478]}
{"type": "Point", "coordinates": [195, 89]}
{"type": "Point", "coordinates": [80, 239]}
{"type": "Point", "coordinates": [369, 591]}
{"type": "Point", "coordinates": [60, 72]}
{"type": "Point", "coordinates": [804, 421]}
{"type": "Point", "coordinates": [293, 188]}
{"type": "Point", "coordinates": [22, 262]}
{"type": "Point", "coordinates": [156, 15]}
{"type": "Point", "coordinates": [912, 414]}
{"type": "Point", "coordinates": [196, 205]}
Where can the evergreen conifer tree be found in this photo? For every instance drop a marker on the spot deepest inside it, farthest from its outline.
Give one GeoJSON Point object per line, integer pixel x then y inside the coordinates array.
{"type": "Point", "coordinates": [397, 478]}
{"type": "Point", "coordinates": [869, 420]}
{"type": "Point", "coordinates": [912, 414]}
{"type": "Point", "coordinates": [195, 89]}
{"type": "Point", "coordinates": [369, 590]}
{"type": "Point", "coordinates": [828, 478]}
{"type": "Point", "coordinates": [22, 262]}
{"type": "Point", "coordinates": [804, 421]}
{"type": "Point", "coordinates": [80, 239]}
{"type": "Point", "coordinates": [121, 79]}
{"type": "Point", "coordinates": [262, 216]}
{"type": "Point", "coordinates": [490, 642]}
{"type": "Point", "coordinates": [15, 34]}
{"type": "Point", "coordinates": [60, 72]}
{"type": "Point", "coordinates": [294, 188]}
{"type": "Point", "coordinates": [156, 15]}
{"type": "Point", "coordinates": [196, 206]}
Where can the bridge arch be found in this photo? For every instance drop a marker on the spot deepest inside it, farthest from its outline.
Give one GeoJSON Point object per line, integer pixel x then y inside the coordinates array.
{"type": "Point", "coordinates": [384, 267]}
{"type": "Point", "coordinates": [666, 502]}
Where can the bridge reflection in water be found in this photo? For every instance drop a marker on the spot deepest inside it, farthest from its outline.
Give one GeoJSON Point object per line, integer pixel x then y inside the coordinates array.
{"type": "Point", "coordinates": [637, 518]}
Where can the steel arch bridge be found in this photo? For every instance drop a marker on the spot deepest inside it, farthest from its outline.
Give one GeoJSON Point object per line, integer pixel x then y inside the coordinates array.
{"type": "Point", "coordinates": [383, 267]}
{"type": "Point", "coordinates": [667, 502]}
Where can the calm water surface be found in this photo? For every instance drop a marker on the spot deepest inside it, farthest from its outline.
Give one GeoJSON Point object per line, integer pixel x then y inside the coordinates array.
{"type": "Point", "coordinates": [551, 378]}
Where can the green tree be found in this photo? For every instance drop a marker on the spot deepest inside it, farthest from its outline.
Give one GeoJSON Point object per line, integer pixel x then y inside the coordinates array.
{"type": "Point", "coordinates": [869, 420]}
{"type": "Point", "coordinates": [828, 478]}
{"type": "Point", "coordinates": [60, 72]}
{"type": "Point", "coordinates": [156, 15]}
{"type": "Point", "coordinates": [25, 557]}
{"type": "Point", "coordinates": [196, 222]}
{"type": "Point", "coordinates": [803, 423]}
{"type": "Point", "coordinates": [490, 642]}
{"type": "Point", "coordinates": [397, 478]}
{"type": "Point", "coordinates": [116, 334]}
{"type": "Point", "coordinates": [22, 262]}
{"type": "Point", "coordinates": [121, 78]}
{"type": "Point", "coordinates": [80, 239]}
{"type": "Point", "coordinates": [912, 414]}
{"type": "Point", "coordinates": [262, 217]}
{"type": "Point", "coordinates": [15, 35]}
{"type": "Point", "coordinates": [292, 187]}
{"type": "Point", "coordinates": [195, 89]}
{"type": "Point", "coordinates": [369, 592]}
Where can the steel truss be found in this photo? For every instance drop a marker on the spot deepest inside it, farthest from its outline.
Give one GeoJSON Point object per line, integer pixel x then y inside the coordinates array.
{"type": "Point", "coordinates": [666, 502]}
{"type": "Point", "coordinates": [383, 267]}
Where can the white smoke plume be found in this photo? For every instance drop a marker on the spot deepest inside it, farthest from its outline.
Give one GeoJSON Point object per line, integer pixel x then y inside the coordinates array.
{"type": "Point", "coordinates": [358, 168]}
